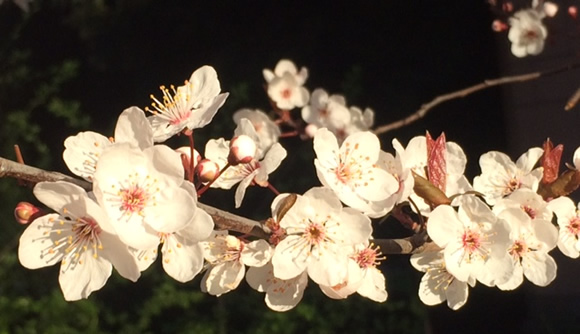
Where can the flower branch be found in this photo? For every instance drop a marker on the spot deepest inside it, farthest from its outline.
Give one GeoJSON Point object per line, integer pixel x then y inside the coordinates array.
{"type": "Point", "coordinates": [425, 108]}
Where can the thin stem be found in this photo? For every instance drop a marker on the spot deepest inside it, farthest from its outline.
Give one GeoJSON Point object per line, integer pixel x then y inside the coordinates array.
{"type": "Point", "coordinates": [425, 108]}
{"type": "Point", "coordinates": [206, 187]}
{"type": "Point", "coordinates": [274, 190]}
{"type": "Point", "coordinates": [191, 173]}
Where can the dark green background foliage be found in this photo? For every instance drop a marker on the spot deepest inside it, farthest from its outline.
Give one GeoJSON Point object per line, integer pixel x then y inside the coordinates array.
{"type": "Point", "coordinates": [72, 65]}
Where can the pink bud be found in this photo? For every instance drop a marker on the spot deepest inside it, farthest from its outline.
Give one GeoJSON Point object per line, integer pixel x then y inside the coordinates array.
{"type": "Point", "coordinates": [310, 130]}
{"type": "Point", "coordinates": [573, 11]}
{"type": "Point", "coordinates": [498, 26]}
{"type": "Point", "coordinates": [25, 213]}
{"type": "Point", "coordinates": [185, 152]}
{"type": "Point", "coordinates": [507, 7]}
{"type": "Point", "coordinates": [207, 170]}
{"type": "Point", "coordinates": [242, 150]}
{"type": "Point", "coordinates": [550, 8]}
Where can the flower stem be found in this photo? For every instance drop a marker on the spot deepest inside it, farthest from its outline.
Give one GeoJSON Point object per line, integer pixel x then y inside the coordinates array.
{"type": "Point", "coordinates": [191, 174]}
{"type": "Point", "coordinates": [274, 190]}
{"type": "Point", "coordinates": [206, 187]}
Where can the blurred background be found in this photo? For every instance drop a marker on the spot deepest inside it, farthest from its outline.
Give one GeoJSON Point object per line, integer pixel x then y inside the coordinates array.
{"type": "Point", "coordinates": [73, 65]}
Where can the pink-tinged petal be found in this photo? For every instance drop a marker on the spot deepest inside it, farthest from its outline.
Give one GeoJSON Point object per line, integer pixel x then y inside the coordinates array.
{"type": "Point", "coordinates": [528, 160]}
{"type": "Point", "coordinates": [283, 66]}
{"type": "Point", "coordinates": [286, 296]}
{"type": "Point", "coordinates": [356, 228]}
{"type": "Point", "coordinates": [456, 293]}
{"type": "Point", "coordinates": [174, 210]}
{"type": "Point", "coordinates": [117, 253]}
{"type": "Point", "coordinates": [320, 197]}
{"type": "Point", "coordinates": [494, 162]}
{"type": "Point", "coordinates": [60, 194]}
{"type": "Point", "coordinates": [496, 270]}
{"type": "Point", "coordinates": [455, 160]}
{"type": "Point", "coordinates": [516, 279]}
{"type": "Point", "coordinates": [205, 116]}
{"type": "Point", "coordinates": [425, 260]}
{"type": "Point", "coordinates": [444, 225]}
{"type": "Point", "coordinates": [281, 295]}
{"type": "Point", "coordinates": [273, 158]}
{"type": "Point", "coordinates": [380, 185]}
{"type": "Point", "coordinates": [288, 260]}
{"type": "Point", "coordinates": [576, 158]}
{"type": "Point", "coordinates": [326, 148]}
{"type": "Point", "coordinates": [162, 129]}
{"type": "Point", "coordinates": [182, 260]}
{"type": "Point", "coordinates": [364, 147]}
{"type": "Point", "coordinates": [429, 292]}
{"type": "Point", "coordinates": [134, 128]}
{"type": "Point", "coordinates": [199, 229]}
{"type": "Point", "coordinates": [83, 151]}
{"type": "Point", "coordinates": [144, 258]}
{"type": "Point", "coordinates": [564, 209]}
{"type": "Point", "coordinates": [165, 161]}
{"type": "Point", "coordinates": [540, 268]}
{"type": "Point", "coordinates": [374, 286]}
{"type": "Point", "coordinates": [256, 253]}
{"type": "Point", "coordinates": [137, 235]}
{"type": "Point", "coordinates": [204, 83]}
{"type": "Point", "coordinates": [34, 250]}
{"type": "Point", "coordinates": [223, 278]}
{"type": "Point", "coordinates": [78, 281]}
{"type": "Point", "coordinates": [268, 75]}
{"type": "Point", "coordinates": [330, 269]}
{"type": "Point", "coordinates": [567, 244]}
{"type": "Point", "coordinates": [546, 233]}
{"type": "Point", "coordinates": [241, 190]}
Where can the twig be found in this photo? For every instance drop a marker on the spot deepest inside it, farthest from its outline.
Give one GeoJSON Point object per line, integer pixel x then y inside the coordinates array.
{"type": "Point", "coordinates": [223, 220]}
{"type": "Point", "coordinates": [425, 108]}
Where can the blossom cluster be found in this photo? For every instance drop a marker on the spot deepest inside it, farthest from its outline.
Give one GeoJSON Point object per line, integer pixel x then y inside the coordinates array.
{"type": "Point", "coordinates": [496, 229]}
{"type": "Point", "coordinates": [527, 31]}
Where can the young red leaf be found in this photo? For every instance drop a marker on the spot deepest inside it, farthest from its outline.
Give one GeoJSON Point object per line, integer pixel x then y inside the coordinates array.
{"type": "Point", "coordinates": [551, 161]}
{"type": "Point", "coordinates": [436, 165]}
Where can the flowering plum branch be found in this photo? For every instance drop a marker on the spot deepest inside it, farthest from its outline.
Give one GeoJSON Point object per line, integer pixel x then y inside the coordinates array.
{"type": "Point", "coordinates": [139, 200]}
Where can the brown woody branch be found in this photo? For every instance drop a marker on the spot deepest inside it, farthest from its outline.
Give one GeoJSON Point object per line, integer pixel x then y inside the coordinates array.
{"type": "Point", "coordinates": [425, 108]}
{"type": "Point", "coordinates": [223, 220]}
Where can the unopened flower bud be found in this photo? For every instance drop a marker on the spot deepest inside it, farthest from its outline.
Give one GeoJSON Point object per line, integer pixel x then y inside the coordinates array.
{"type": "Point", "coordinates": [232, 243]}
{"type": "Point", "coordinates": [550, 9]}
{"type": "Point", "coordinates": [498, 26]}
{"type": "Point", "coordinates": [310, 130]}
{"type": "Point", "coordinates": [207, 170]}
{"type": "Point", "coordinates": [242, 150]}
{"type": "Point", "coordinates": [573, 11]}
{"type": "Point", "coordinates": [508, 6]}
{"type": "Point", "coordinates": [25, 212]}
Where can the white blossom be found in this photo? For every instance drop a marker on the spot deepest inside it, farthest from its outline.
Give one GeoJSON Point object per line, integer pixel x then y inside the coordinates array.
{"type": "Point", "coordinates": [79, 236]}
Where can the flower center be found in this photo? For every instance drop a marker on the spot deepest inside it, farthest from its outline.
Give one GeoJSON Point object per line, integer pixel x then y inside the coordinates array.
{"type": "Point", "coordinates": [574, 226]}
{"type": "Point", "coordinates": [529, 211]}
{"type": "Point", "coordinates": [314, 233]}
{"type": "Point", "coordinates": [286, 93]}
{"type": "Point", "coordinates": [368, 257]}
{"type": "Point", "coordinates": [74, 237]}
{"type": "Point", "coordinates": [518, 249]}
{"type": "Point", "coordinates": [175, 106]}
{"type": "Point", "coordinates": [512, 185]}
{"type": "Point", "coordinates": [134, 195]}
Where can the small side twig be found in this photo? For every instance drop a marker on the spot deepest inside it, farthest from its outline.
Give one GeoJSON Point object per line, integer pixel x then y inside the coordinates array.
{"type": "Point", "coordinates": [425, 108]}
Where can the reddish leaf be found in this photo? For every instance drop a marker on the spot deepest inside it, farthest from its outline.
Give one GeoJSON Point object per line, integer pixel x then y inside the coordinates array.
{"type": "Point", "coordinates": [436, 165]}
{"type": "Point", "coordinates": [551, 161]}
{"type": "Point", "coordinates": [562, 186]}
